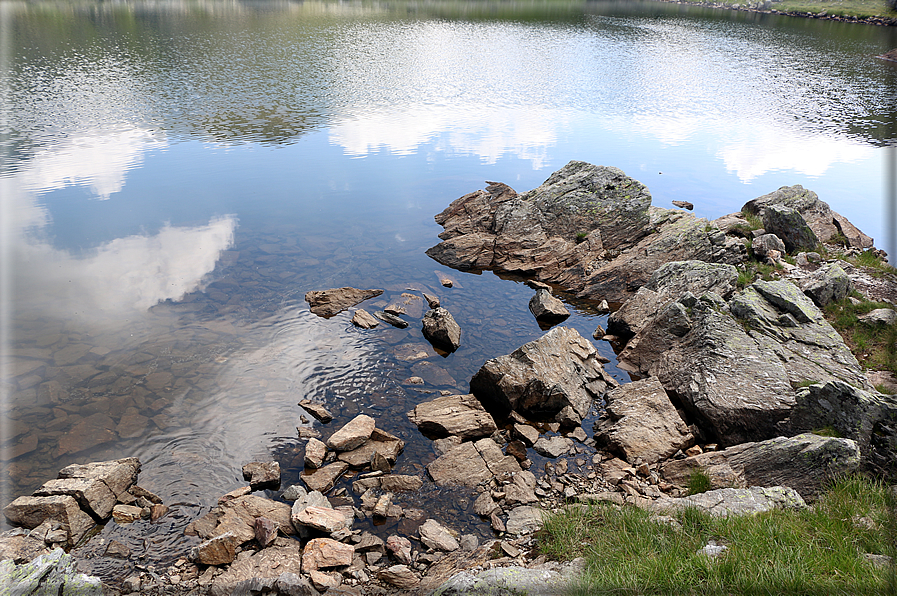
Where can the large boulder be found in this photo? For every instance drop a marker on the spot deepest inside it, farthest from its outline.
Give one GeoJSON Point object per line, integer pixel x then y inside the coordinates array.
{"type": "Point", "coordinates": [640, 422]}
{"type": "Point", "coordinates": [805, 462]}
{"type": "Point", "coordinates": [789, 225]}
{"type": "Point", "coordinates": [30, 512]}
{"type": "Point", "coordinates": [275, 566]}
{"type": "Point", "coordinates": [559, 374]}
{"type": "Point", "coordinates": [829, 283]}
{"type": "Point", "coordinates": [734, 366]}
{"type": "Point", "coordinates": [867, 417]}
{"type": "Point", "coordinates": [675, 236]}
{"type": "Point", "coordinates": [826, 225]}
{"type": "Point", "coordinates": [458, 415]}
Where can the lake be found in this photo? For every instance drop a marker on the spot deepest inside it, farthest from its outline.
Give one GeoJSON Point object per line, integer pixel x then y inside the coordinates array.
{"type": "Point", "coordinates": [177, 175]}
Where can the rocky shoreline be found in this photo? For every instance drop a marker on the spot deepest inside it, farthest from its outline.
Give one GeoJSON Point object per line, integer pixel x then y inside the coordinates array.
{"type": "Point", "coordinates": [734, 379]}
{"type": "Point", "coordinates": [766, 7]}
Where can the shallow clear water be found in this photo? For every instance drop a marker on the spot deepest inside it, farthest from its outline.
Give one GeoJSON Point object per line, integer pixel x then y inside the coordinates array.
{"type": "Point", "coordinates": [177, 175]}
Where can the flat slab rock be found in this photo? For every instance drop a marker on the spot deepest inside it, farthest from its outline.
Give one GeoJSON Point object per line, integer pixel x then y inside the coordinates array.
{"type": "Point", "coordinates": [470, 464]}
{"type": "Point", "coordinates": [459, 415]}
{"type": "Point", "coordinates": [726, 502]}
{"type": "Point", "coordinates": [277, 562]}
{"type": "Point", "coordinates": [327, 303]}
{"type": "Point", "coordinates": [804, 462]}
{"type": "Point", "coordinates": [508, 581]}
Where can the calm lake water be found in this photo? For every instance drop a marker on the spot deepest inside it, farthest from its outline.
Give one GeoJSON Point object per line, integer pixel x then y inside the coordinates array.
{"type": "Point", "coordinates": [177, 175]}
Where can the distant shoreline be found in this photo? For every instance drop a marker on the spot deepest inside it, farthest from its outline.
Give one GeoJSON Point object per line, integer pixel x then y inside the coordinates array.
{"type": "Point", "coordinates": [875, 20]}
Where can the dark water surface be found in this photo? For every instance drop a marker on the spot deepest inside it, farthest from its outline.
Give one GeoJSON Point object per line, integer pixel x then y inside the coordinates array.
{"type": "Point", "coordinates": [177, 175]}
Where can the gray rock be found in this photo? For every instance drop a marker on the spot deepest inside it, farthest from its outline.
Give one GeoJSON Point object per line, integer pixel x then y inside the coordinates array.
{"type": "Point", "coordinates": [327, 303]}
{"type": "Point", "coordinates": [508, 581]}
{"type": "Point", "coordinates": [470, 464]}
{"type": "Point", "coordinates": [312, 499]}
{"type": "Point", "coordinates": [400, 547]}
{"type": "Point", "coordinates": [524, 520]}
{"type": "Point", "coordinates": [262, 475]}
{"type": "Point", "coordinates": [825, 223]}
{"type": "Point", "coordinates": [484, 505]}
{"type": "Point", "coordinates": [294, 492]}
{"type": "Point", "coordinates": [879, 316]}
{"type": "Point", "coordinates": [670, 283]}
{"type": "Point", "coordinates": [868, 418]}
{"type": "Point", "coordinates": [544, 376]}
{"type": "Point", "coordinates": [365, 454]}
{"type": "Point", "coordinates": [553, 447]}
{"type": "Point", "coordinates": [118, 475]}
{"type": "Point", "coordinates": [528, 434]}
{"type": "Point", "coordinates": [726, 502]}
{"type": "Point", "coordinates": [265, 531]}
{"type": "Point", "coordinates": [546, 307]}
{"type": "Point", "coordinates": [804, 462]}
{"type": "Point", "coordinates": [789, 225]}
{"type": "Point", "coordinates": [277, 565]}
{"type": "Point", "coordinates": [392, 319]}
{"type": "Point", "coordinates": [460, 415]}
{"type": "Point", "coordinates": [20, 547]}
{"type": "Point", "coordinates": [318, 411]}
{"type": "Point", "coordinates": [770, 339]}
{"type": "Point", "coordinates": [764, 243]}
{"type": "Point", "coordinates": [827, 284]}
{"type": "Point", "coordinates": [436, 536]}
{"type": "Point", "coordinates": [92, 494]}
{"type": "Point", "coordinates": [520, 491]}
{"type": "Point", "coordinates": [52, 573]}
{"type": "Point", "coordinates": [441, 329]}
{"type": "Point", "coordinates": [640, 422]}
{"type": "Point", "coordinates": [315, 452]}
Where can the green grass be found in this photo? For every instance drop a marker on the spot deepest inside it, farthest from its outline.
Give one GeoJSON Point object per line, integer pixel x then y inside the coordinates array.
{"type": "Point", "coordinates": [698, 482]}
{"type": "Point", "coordinates": [875, 347]}
{"type": "Point", "coordinates": [813, 551]}
{"type": "Point", "coordinates": [751, 270]}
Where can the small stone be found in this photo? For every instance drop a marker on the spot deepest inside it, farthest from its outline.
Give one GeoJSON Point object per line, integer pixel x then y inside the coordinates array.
{"type": "Point", "coordinates": [315, 452]}
{"type": "Point", "coordinates": [353, 434]}
{"type": "Point", "coordinates": [400, 576]}
{"type": "Point", "coordinates": [400, 547]}
{"type": "Point", "coordinates": [325, 581]}
{"type": "Point", "coordinates": [436, 536]}
{"type": "Point", "coordinates": [319, 412]}
{"type": "Point", "coordinates": [220, 550]}
{"type": "Point", "coordinates": [158, 511]}
{"type": "Point", "coordinates": [262, 475]}
{"type": "Point", "coordinates": [265, 531]}
{"type": "Point", "coordinates": [117, 550]}
{"type": "Point", "coordinates": [125, 514]}
{"type": "Point", "coordinates": [322, 553]}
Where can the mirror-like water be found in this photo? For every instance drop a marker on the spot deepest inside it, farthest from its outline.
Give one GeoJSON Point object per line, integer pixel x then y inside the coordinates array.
{"type": "Point", "coordinates": [177, 175]}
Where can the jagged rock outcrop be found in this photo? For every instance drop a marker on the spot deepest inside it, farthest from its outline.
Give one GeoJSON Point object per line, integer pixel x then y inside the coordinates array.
{"type": "Point", "coordinates": [825, 224]}
{"type": "Point", "coordinates": [804, 462]}
{"type": "Point", "coordinates": [733, 365]}
{"type": "Point", "coordinates": [589, 228]}
{"type": "Point", "coordinates": [559, 375]}
{"type": "Point", "coordinates": [829, 283]}
{"type": "Point", "coordinates": [52, 573]}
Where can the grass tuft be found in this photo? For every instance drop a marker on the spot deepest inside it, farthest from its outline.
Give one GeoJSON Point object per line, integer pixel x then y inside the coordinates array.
{"type": "Point", "coordinates": [698, 482]}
